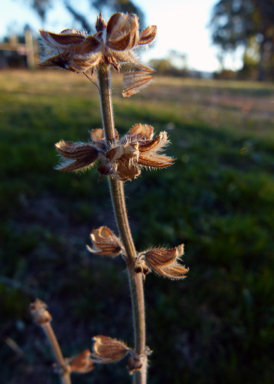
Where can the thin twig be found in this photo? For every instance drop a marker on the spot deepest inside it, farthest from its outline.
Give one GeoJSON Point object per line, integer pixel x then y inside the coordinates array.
{"type": "Point", "coordinates": [64, 374]}
{"type": "Point", "coordinates": [43, 318]}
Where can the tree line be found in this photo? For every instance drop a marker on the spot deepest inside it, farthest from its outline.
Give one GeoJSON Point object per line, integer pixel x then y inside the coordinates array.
{"type": "Point", "coordinates": [248, 24]}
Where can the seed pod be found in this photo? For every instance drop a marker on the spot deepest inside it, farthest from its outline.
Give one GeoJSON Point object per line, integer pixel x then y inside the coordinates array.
{"type": "Point", "coordinates": [108, 350]}
{"type": "Point", "coordinates": [105, 242]}
{"type": "Point", "coordinates": [164, 262]}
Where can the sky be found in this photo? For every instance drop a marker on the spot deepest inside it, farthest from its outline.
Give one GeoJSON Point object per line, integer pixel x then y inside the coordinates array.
{"type": "Point", "coordinates": [182, 26]}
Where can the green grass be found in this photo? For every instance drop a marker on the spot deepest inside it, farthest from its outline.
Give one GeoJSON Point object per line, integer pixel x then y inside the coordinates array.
{"type": "Point", "coordinates": [218, 199]}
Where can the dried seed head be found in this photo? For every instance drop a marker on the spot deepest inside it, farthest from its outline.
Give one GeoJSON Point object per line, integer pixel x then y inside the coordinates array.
{"type": "Point", "coordinates": [39, 312]}
{"type": "Point", "coordinates": [77, 156]}
{"type": "Point", "coordinates": [164, 262]}
{"type": "Point", "coordinates": [123, 161]}
{"type": "Point", "coordinates": [122, 158]}
{"type": "Point", "coordinates": [78, 52]}
{"type": "Point", "coordinates": [105, 242]}
{"type": "Point", "coordinates": [81, 363]}
{"type": "Point", "coordinates": [107, 350]}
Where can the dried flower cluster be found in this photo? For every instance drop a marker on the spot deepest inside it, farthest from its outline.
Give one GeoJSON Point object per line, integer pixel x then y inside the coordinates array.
{"type": "Point", "coordinates": [162, 261]}
{"type": "Point", "coordinates": [124, 158]}
{"type": "Point", "coordinates": [112, 44]}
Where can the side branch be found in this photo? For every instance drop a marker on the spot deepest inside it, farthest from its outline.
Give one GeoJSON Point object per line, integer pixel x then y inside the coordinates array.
{"type": "Point", "coordinates": [64, 374]}
{"type": "Point", "coordinates": [43, 318]}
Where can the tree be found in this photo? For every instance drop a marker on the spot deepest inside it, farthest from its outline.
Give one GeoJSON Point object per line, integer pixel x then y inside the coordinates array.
{"type": "Point", "coordinates": [126, 6]}
{"type": "Point", "coordinates": [247, 23]}
{"type": "Point", "coordinates": [174, 64]}
{"type": "Point", "coordinates": [42, 6]}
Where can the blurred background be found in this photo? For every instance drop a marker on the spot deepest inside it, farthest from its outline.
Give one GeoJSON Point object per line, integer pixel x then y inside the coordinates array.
{"type": "Point", "coordinates": [214, 95]}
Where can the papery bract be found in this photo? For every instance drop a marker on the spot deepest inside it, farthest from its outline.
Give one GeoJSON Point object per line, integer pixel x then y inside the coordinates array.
{"type": "Point", "coordinates": [112, 44]}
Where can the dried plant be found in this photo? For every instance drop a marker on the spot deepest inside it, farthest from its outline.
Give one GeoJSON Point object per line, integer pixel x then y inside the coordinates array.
{"type": "Point", "coordinates": [121, 159]}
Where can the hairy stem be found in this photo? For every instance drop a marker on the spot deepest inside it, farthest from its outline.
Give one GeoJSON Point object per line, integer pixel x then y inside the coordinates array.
{"type": "Point", "coordinates": [104, 83]}
{"type": "Point", "coordinates": [64, 375]}
{"type": "Point", "coordinates": [136, 280]}
{"type": "Point", "coordinates": [119, 206]}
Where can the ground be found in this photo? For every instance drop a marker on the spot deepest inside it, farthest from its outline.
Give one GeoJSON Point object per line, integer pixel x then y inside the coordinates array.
{"type": "Point", "coordinates": [216, 325]}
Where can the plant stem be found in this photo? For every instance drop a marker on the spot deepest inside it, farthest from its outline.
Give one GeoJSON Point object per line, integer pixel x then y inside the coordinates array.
{"type": "Point", "coordinates": [136, 280]}
{"type": "Point", "coordinates": [64, 375]}
{"type": "Point", "coordinates": [104, 82]}
{"type": "Point", "coordinates": [119, 206]}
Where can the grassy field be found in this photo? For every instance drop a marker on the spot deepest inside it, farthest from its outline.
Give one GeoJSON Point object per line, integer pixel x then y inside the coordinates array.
{"type": "Point", "coordinates": [217, 326]}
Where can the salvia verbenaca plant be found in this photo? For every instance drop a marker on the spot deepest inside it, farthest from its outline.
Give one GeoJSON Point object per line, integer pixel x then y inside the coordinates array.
{"type": "Point", "coordinates": [120, 159]}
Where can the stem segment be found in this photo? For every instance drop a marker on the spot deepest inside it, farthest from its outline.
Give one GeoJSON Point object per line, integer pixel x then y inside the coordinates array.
{"type": "Point", "coordinates": [119, 206]}
{"type": "Point", "coordinates": [65, 375]}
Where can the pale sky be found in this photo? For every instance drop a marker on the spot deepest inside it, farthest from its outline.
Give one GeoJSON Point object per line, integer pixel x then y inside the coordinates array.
{"type": "Point", "coordinates": [182, 25]}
